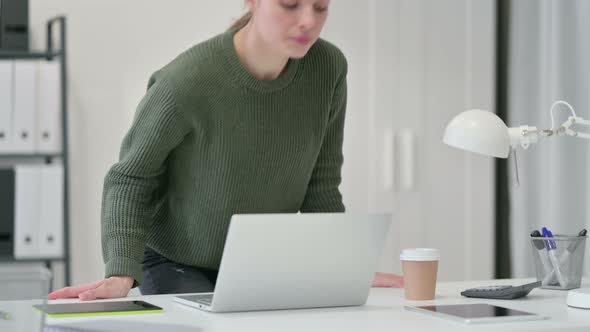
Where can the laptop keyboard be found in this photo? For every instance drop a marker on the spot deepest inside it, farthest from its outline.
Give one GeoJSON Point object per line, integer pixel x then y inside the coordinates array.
{"type": "Point", "coordinates": [63, 329]}
{"type": "Point", "coordinates": [204, 299]}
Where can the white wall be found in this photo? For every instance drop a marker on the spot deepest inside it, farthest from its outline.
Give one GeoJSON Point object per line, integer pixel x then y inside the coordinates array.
{"type": "Point", "coordinates": [415, 65]}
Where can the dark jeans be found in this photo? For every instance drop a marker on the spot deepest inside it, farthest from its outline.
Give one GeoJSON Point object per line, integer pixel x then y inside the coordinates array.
{"type": "Point", "coordinates": [163, 276]}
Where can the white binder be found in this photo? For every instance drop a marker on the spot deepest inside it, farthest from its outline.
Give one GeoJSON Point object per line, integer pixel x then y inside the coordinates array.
{"type": "Point", "coordinates": [6, 98]}
{"type": "Point", "coordinates": [25, 104]}
{"type": "Point", "coordinates": [48, 134]}
{"type": "Point", "coordinates": [26, 211]}
{"type": "Point", "coordinates": [51, 212]}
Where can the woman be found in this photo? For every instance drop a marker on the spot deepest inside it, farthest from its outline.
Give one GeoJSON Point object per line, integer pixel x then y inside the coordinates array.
{"type": "Point", "coordinates": [250, 121]}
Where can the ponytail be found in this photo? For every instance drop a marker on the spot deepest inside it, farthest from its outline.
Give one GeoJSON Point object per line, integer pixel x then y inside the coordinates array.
{"type": "Point", "coordinates": [241, 22]}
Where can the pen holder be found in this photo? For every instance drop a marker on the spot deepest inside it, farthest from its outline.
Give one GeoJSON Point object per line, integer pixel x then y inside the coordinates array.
{"type": "Point", "coordinates": [559, 260]}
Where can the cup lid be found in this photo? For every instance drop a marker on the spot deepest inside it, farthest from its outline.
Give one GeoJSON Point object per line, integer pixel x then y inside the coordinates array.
{"type": "Point", "coordinates": [420, 254]}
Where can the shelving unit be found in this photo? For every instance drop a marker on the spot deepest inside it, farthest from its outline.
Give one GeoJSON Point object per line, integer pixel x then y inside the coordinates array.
{"type": "Point", "coordinates": [50, 54]}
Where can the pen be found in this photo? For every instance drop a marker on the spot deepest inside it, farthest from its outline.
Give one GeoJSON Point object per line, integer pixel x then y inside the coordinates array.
{"type": "Point", "coordinates": [549, 275]}
{"type": "Point", "coordinates": [551, 246]}
{"type": "Point", "coordinates": [566, 254]}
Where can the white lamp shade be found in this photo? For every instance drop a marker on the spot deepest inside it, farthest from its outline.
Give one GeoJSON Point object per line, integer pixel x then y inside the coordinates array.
{"type": "Point", "coordinates": [479, 131]}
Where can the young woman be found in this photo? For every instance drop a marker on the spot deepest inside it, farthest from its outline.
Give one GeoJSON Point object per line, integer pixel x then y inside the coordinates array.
{"type": "Point", "coordinates": [250, 121]}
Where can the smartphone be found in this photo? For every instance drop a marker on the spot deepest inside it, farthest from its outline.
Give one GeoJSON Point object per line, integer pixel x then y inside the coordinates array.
{"type": "Point", "coordinates": [79, 309]}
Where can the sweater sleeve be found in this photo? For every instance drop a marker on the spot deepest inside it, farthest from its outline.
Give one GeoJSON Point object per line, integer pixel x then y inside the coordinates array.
{"type": "Point", "coordinates": [131, 183]}
{"type": "Point", "coordinates": [322, 193]}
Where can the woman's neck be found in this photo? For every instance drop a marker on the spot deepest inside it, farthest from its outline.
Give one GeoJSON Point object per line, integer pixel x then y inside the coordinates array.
{"type": "Point", "coordinates": [256, 56]}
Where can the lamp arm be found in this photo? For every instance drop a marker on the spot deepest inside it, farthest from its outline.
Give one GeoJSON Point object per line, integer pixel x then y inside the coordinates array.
{"type": "Point", "coordinates": [566, 127]}
{"type": "Point", "coordinates": [524, 136]}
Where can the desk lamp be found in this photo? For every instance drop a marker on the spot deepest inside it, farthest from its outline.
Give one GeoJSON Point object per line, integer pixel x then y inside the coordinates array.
{"type": "Point", "coordinates": [485, 133]}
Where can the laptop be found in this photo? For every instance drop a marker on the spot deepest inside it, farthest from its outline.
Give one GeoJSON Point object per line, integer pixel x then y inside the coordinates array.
{"type": "Point", "coordinates": [294, 261]}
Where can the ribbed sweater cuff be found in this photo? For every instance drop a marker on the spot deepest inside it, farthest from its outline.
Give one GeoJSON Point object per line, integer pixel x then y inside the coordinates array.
{"type": "Point", "coordinates": [123, 266]}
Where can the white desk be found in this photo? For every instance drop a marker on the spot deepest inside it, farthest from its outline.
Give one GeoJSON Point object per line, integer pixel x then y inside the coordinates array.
{"type": "Point", "coordinates": [383, 312]}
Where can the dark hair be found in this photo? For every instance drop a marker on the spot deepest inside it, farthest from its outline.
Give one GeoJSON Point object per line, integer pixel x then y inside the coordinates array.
{"type": "Point", "coordinates": [241, 22]}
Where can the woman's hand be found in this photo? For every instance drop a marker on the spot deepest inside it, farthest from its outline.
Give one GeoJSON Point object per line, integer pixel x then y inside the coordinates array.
{"type": "Point", "coordinates": [113, 287]}
{"type": "Point", "coordinates": [388, 280]}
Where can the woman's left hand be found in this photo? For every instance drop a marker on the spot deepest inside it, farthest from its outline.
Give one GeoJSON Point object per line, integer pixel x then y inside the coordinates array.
{"type": "Point", "coordinates": [388, 280]}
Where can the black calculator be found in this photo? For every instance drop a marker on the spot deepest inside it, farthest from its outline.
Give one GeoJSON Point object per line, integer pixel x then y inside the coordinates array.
{"type": "Point", "coordinates": [505, 292]}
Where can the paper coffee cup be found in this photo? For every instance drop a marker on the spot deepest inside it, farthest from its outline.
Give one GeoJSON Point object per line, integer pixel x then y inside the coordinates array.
{"type": "Point", "coordinates": [419, 266]}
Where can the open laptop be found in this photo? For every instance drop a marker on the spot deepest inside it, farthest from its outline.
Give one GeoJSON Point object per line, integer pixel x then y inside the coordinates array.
{"type": "Point", "coordinates": [290, 261]}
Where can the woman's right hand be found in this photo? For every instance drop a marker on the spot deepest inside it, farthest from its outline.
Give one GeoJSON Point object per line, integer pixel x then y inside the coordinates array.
{"type": "Point", "coordinates": [113, 287]}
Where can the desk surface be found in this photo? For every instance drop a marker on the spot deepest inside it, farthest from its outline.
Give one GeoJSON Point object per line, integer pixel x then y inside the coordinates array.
{"type": "Point", "coordinates": [383, 312]}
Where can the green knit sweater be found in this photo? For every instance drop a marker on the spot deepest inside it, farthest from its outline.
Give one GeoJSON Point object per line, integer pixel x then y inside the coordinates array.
{"type": "Point", "coordinates": [209, 140]}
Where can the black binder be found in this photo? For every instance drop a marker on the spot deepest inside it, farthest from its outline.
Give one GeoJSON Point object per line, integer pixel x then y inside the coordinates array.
{"type": "Point", "coordinates": [14, 25]}
{"type": "Point", "coordinates": [7, 188]}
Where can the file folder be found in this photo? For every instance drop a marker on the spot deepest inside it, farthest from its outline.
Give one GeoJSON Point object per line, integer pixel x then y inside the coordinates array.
{"type": "Point", "coordinates": [6, 212]}
{"type": "Point", "coordinates": [48, 134]}
{"type": "Point", "coordinates": [51, 212]}
{"type": "Point", "coordinates": [26, 211]}
{"type": "Point", "coordinates": [6, 101]}
{"type": "Point", "coordinates": [25, 103]}
{"type": "Point", "coordinates": [14, 25]}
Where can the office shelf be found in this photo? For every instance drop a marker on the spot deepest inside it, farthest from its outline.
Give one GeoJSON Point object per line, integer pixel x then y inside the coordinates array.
{"type": "Point", "coordinates": [50, 53]}
{"type": "Point", "coordinates": [28, 55]}
{"type": "Point", "coordinates": [31, 155]}
{"type": "Point", "coordinates": [10, 259]}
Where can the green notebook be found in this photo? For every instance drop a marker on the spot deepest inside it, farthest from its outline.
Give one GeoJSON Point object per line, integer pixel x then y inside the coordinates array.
{"type": "Point", "coordinates": [107, 308]}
